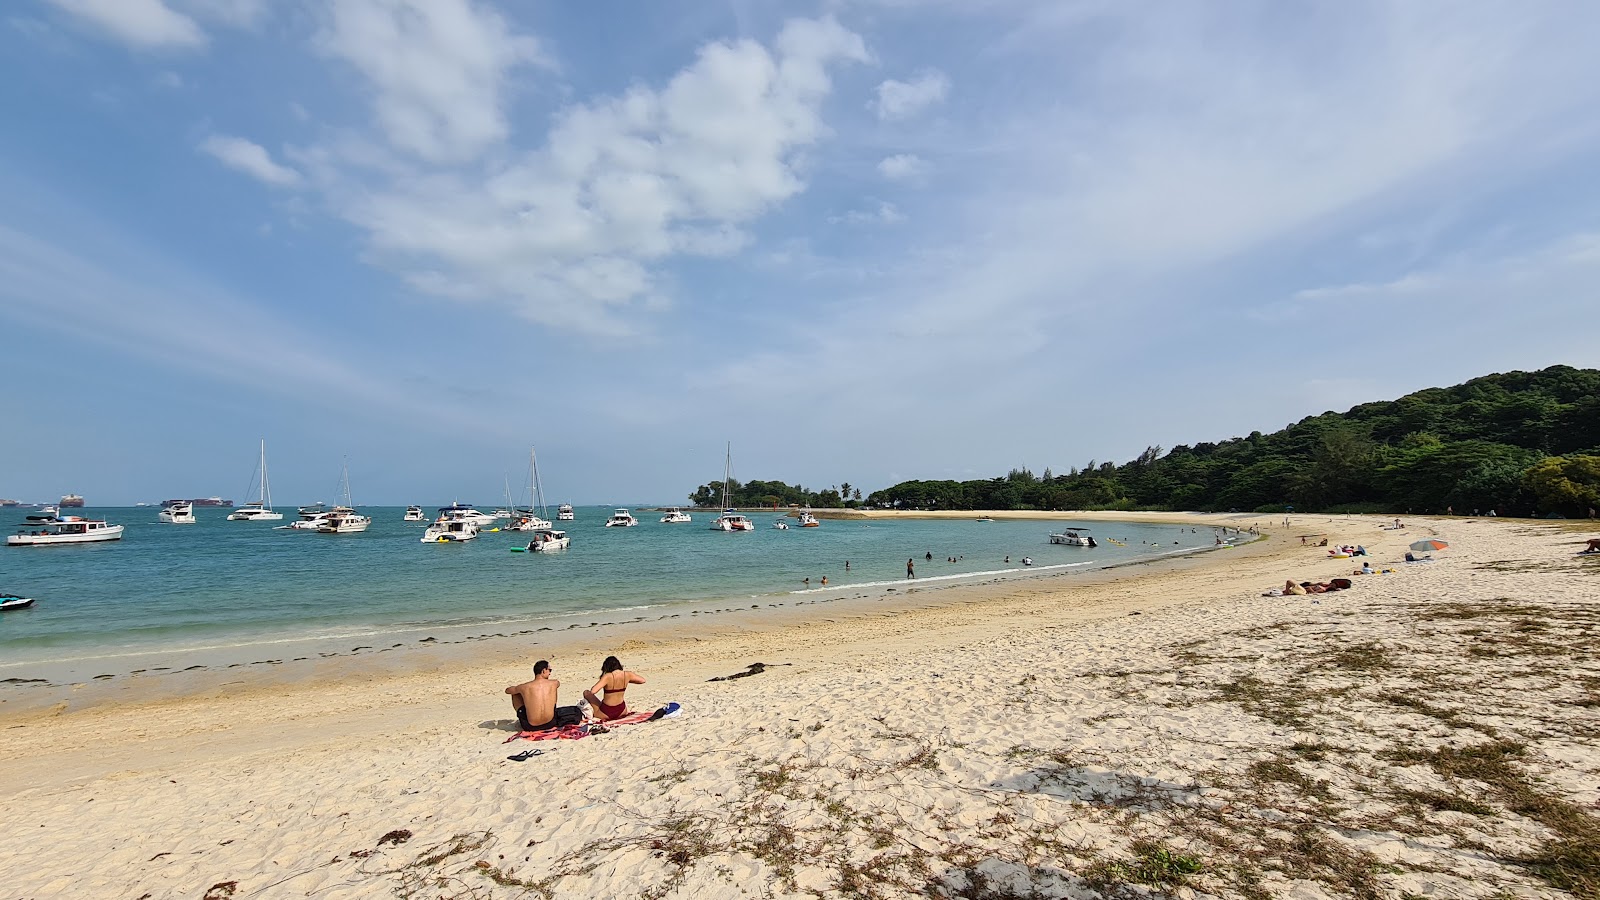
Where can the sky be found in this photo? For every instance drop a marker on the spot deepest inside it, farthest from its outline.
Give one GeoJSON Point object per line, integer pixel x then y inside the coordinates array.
{"type": "Point", "coordinates": [861, 241]}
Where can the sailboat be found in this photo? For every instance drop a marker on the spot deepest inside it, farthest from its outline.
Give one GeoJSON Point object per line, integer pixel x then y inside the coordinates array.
{"type": "Point", "coordinates": [524, 519]}
{"type": "Point", "coordinates": [730, 520]}
{"type": "Point", "coordinates": [343, 519]}
{"type": "Point", "coordinates": [260, 509]}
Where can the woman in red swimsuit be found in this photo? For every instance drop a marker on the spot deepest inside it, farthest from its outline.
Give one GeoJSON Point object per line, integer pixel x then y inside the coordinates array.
{"type": "Point", "coordinates": [614, 681]}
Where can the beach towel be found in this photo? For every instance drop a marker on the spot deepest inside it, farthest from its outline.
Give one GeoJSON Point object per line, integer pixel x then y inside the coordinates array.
{"type": "Point", "coordinates": [578, 732]}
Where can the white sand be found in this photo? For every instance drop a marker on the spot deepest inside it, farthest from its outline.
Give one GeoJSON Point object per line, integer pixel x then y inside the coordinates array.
{"type": "Point", "coordinates": [1026, 737]}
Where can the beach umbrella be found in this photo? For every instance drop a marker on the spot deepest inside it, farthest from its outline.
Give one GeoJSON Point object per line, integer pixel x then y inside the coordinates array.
{"type": "Point", "coordinates": [1429, 545]}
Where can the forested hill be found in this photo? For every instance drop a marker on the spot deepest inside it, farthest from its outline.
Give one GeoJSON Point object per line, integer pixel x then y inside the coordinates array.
{"type": "Point", "coordinates": [1518, 443]}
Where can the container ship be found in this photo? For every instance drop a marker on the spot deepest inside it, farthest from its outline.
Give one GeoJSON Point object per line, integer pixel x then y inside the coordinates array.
{"type": "Point", "coordinates": [211, 501]}
{"type": "Point", "coordinates": [71, 500]}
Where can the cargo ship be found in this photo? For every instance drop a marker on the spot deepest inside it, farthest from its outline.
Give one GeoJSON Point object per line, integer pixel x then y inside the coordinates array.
{"type": "Point", "coordinates": [211, 501]}
{"type": "Point", "coordinates": [71, 500]}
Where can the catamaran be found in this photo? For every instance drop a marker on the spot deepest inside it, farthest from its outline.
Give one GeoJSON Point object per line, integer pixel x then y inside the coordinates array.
{"type": "Point", "coordinates": [564, 513]}
{"type": "Point", "coordinates": [524, 518]}
{"type": "Point", "coordinates": [730, 520]}
{"type": "Point", "coordinates": [261, 509]}
{"type": "Point", "coordinates": [621, 519]}
{"type": "Point", "coordinates": [343, 519]}
{"type": "Point", "coordinates": [675, 515]}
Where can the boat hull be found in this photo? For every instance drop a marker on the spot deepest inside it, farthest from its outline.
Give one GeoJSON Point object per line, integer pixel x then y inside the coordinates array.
{"type": "Point", "coordinates": [112, 533]}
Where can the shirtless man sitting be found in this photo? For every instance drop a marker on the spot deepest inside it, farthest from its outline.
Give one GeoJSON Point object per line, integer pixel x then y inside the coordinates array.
{"type": "Point", "coordinates": [606, 695]}
{"type": "Point", "coordinates": [535, 702]}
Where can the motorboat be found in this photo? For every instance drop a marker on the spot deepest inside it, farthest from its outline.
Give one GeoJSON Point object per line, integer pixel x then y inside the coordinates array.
{"type": "Point", "coordinates": [40, 531]}
{"type": "Point", "coordinates": [414, 514]}
{"type": "Point", "coordinates": [12, 601]}
{"type": "Point", "coordinates": [261, 509]}
{"type": "Point", "coordinates": [621, 519]}
{"type": "Point", "coordinates": [807, 520]}
{"type": "Point", "coordinates": [547, 539]}
{"type": "Point", "coordinates": [730, 520]}
{"type": "Point", "coordinates": [675, 515]}
{"type": "Point", "coordinates": [1074, 537]}
{"type": "Point", "coordinates": [49, 512]}
{"type": "Point", "coordinates": [466, 512]}
{"type": "Point", "coordinates": [450, 529]}
{"type": "Point", "coordinates": [502, 513]}
{"type": "Point", "coordinates": [781, 525]}
{"type": "Point", "coordinates": [311, 518]}
{"type": "Point", "coordinates": [344, 520]}
{"type": "Point", "coordinates": [177, 512]}
{"type": "Point", "coordinates": [564, 513]}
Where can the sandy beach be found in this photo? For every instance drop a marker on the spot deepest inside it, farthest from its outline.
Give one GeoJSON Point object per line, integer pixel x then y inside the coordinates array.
{"type": "Point", "coordinates": [1157, 728]}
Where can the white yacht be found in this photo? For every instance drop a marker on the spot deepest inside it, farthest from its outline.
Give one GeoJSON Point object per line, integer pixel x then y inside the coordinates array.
{"type": "Point", "coordinates": [260, 510]}
{"type": "Point", "coordinates": [447, 529]}
{"type": "Point", "coordinates": [547, 539]}
{"type": "Point", "coordinates": [465, 511]}
{"type": "Point", "coordinates": [503, 513]}
{"type": "Point", "coordinates": [343, 519]}
{"type": "Point", "coordinates": [807, 520]}
{"type": "Point", "coordinates": [311, 518]}
{"type": "Point", "coordinates": [675, 515]}
{"type": "Point", "coordinates": [621, 519]}
{"type": "Point", "coordinates": [177, 512]}
{"type": "Point", "coordinates": [414, 514]}
{"type": "Point", "coordinates": [781, 525]}
{"type": "Point", "coordinates": [39, 531]}
{"type": "Point", "coordinates": [730, 520]}
{"type": "Point", "coordinates": [1074, 537]}
{"type": "Point", "coordinates": [564, 513]}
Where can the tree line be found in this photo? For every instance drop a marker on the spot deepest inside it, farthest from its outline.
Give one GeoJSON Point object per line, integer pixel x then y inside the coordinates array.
{"type": "Point", "coordinates": [1519, 443]}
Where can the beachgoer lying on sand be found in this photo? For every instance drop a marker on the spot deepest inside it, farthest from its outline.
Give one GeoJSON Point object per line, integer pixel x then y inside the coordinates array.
{"type": "Point", "coordinates": [614, 681]}
{"type": "Point", "coordinates": [535, 702]}
{"type": "Point", "coordinates": [1290, 587]}
{"type": "Point", "coordinates": [1323, 543]}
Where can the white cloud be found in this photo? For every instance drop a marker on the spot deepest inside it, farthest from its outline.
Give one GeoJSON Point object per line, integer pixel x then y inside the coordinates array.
{"type": "Point", "coordinates": [145, 24]}
{"type": "Point", "coordinates": [436, 68]}
{"type": "Point", "coordinates": [904, 99]}
{"type": "Point", "coordinates": [570, 234]}
{"type": "Point", "coordinates": [902, 166]}
{"type": "Point", "coordinates": [881, 212]}
{"type": "Point", "coordinates": [237, 13]}
{"type": "Point", "coordinates": [250, 158]}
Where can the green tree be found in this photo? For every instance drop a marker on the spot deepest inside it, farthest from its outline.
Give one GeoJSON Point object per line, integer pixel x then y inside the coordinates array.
{"type": "Point", "coordinates": [1566, 484]}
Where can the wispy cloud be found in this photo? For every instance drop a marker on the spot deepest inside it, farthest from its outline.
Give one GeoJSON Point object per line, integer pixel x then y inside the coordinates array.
{"type": "Point", "coordinates": [881, 212]}
{"type": "Point", "coordinates": [902, 166]}
{"type": "Point", "coordinates": [250, 158]}
{"type": "Point", "coordinates": [904, 99]}
{"type": "Point", "coordinates": [145, 24]}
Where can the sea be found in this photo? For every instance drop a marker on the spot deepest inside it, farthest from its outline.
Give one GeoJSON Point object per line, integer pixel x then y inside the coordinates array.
{"type": "Point", "coordinates": [167, 594]}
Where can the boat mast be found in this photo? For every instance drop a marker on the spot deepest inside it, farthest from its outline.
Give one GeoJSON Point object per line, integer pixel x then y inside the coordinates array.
{"type": "Point", "coordinates": [538, 489]}
{"type": "Point", "coordinates": [266, 490]}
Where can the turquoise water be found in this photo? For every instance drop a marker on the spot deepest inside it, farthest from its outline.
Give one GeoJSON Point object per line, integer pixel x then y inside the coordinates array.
{"type": "Point", "coordinates": [220, 584]}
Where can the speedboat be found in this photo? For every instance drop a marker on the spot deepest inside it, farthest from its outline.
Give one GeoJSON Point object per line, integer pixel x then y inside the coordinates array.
{"type": "Point", "coordinates": [465, 511]}
{"type": "Point", "coordinates": [564, 513]}
{"type": "Point", "coordinates": [311, 518]}
{"type": "Point", "coordinates": [675, 515]}
{"type": "Point", "coordinates": [1074, 537]}
{"type": "Point", "coordinates": [39, 531]}
{"type": "Point", "coordinates": [344, 520]}
{"type": "Point", "coordinates": [177, 512]}
{"type": "Point", "coordinates": [732, 521]}
{"type": "Point", "coordinates": [502, 513]}
{"type": "Point", "coordinates": [621, 519]}
{"type": "Point", "coordinates": [450, 529]}
{"type": "Point", "coordinates": [547, 539]}
{"type": "Point", "coordinates": [12, 601]}
{"type": "Point", "coordinates": [414, 514]}
{"type": "Point", "coordinates": [807, 520]}
{"type": "Point", "coordinates": [781, 525]}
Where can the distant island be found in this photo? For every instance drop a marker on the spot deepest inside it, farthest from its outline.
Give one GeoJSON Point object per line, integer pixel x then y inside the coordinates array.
{"type": "Point", "coordinates": [1517, 444]}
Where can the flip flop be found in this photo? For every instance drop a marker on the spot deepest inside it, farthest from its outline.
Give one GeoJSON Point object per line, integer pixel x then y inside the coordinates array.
{"type": "Point", "coordinates": [524, 755]}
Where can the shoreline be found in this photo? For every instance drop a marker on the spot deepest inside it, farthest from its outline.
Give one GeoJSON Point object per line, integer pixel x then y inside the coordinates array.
{"type": "Point", "coordinates": [124, 675]}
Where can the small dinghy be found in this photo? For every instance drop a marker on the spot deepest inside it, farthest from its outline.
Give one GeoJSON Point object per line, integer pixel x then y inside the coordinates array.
{"type": "Point", "coordinates": [12, 601]}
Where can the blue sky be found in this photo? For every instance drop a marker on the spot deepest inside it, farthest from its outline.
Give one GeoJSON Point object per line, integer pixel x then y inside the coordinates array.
{"type": "Point", "coordinates": [864, 240]}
